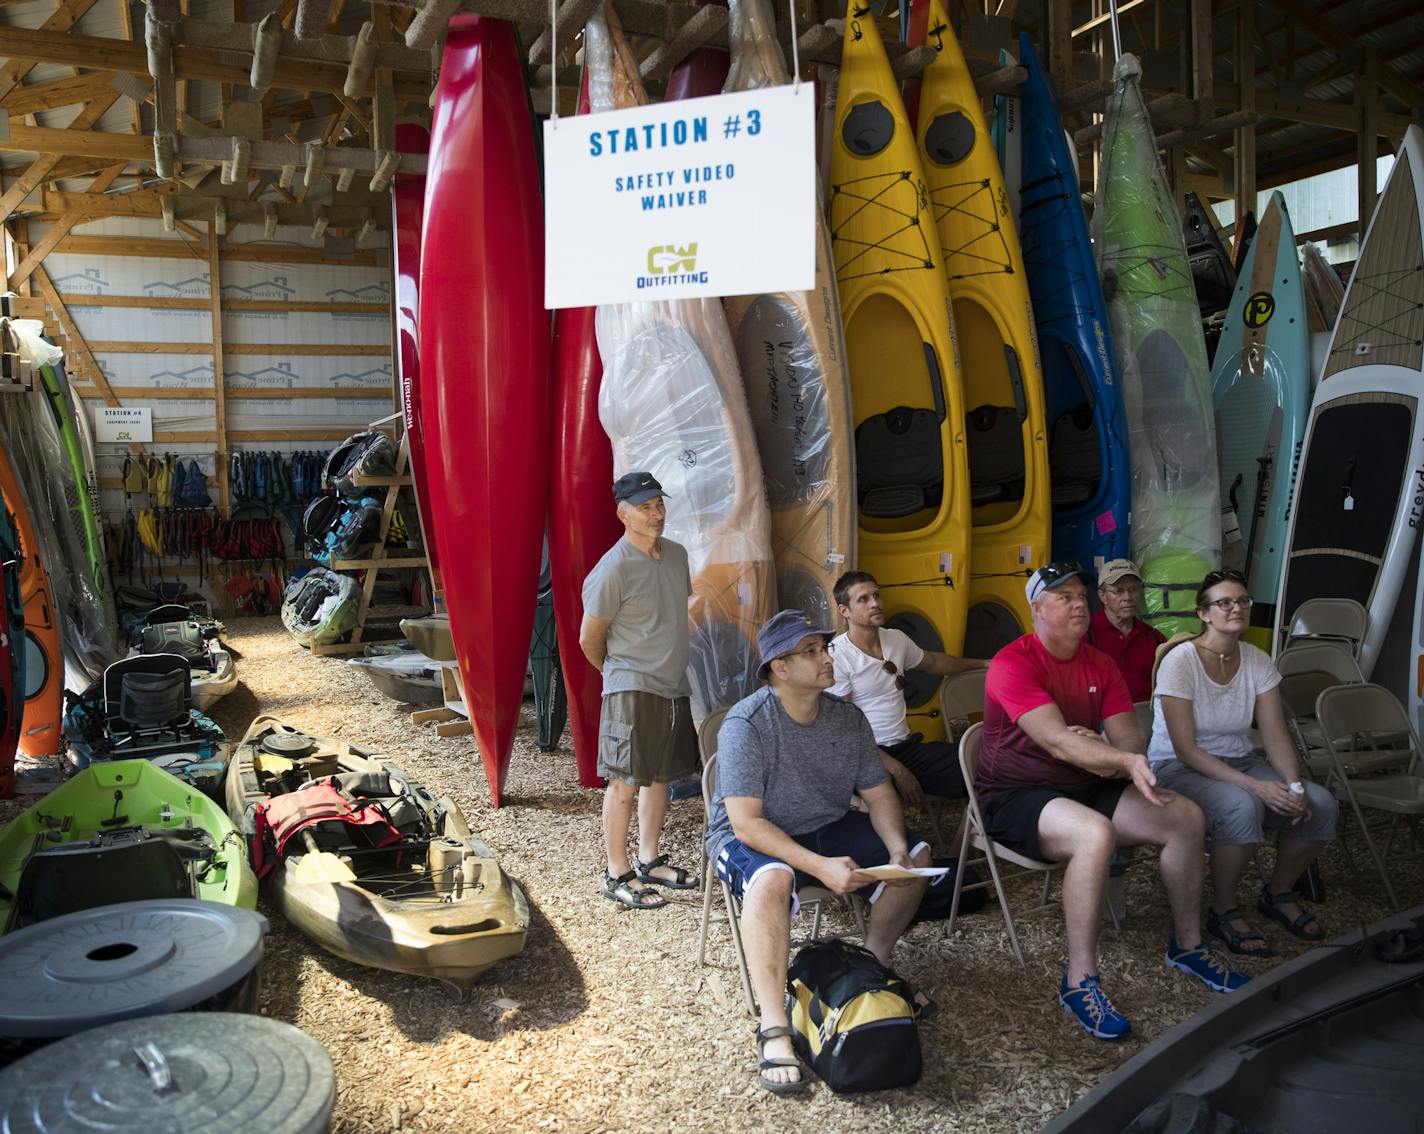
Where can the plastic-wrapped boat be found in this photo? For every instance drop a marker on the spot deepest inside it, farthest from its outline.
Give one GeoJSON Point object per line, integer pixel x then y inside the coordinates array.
{"type": "Point", "coordinates": [1166, 383]}
{"type": "Point", "coordinates": [672, 403]}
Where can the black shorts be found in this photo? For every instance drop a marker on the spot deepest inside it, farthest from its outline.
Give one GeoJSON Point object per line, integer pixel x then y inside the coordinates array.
{"type": "Point", "coordinates": [1011, 817]}
{"type": "Point", "coordinates": [935, 764]}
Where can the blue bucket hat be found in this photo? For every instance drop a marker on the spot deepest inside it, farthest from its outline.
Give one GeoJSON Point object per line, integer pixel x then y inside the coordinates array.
{"type": "Point", "coordinates": [781, 633]}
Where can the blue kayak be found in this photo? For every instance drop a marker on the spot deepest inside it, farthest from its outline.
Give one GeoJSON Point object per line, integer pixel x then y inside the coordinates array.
{"type": "Point", "coordinates": [1087, 430]}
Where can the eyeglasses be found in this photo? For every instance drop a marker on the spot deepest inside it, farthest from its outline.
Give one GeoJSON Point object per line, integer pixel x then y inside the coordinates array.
{"type": "Point", "coordinates": [1227, 605]}
{"type": "Point", "coordinates": [1060, 570]}
{"type": "Point", "coordinates": [815, 650]}
{"type": "Point", "coordinates": [889, 667]}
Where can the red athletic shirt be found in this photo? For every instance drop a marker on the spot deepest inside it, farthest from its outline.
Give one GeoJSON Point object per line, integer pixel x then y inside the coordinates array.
{"type": "Point", "coordinates": [1087, 688]}
{"type": "Point", "coordinates": [1134, 652]}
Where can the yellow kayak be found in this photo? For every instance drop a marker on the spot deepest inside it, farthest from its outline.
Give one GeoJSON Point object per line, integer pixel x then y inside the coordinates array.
{"type": "Point", "coordinates": [1010, 496]}
{"type": "Point", "coordinates": [912, 475]}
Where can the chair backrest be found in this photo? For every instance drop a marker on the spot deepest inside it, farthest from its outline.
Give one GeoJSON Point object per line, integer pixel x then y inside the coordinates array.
{"type": "Point", "coordinates": [1367, 728]}
{"type": "Point", "coordinates": [1143, 709]}
{"type": "Point", "coordinates": [1320, 657]}
{"type": "Point", "coordinates": [1301, 690]}
{"type": "Point", "coordinates": [148, 691]}
{"type": "Point", "coordinates": [962, 695]}
{"type": "Point", "coordinates": [969, 746]}
{"type": "Point", "coordinates": [707, 747]}
{"type": "Point", "coordinates": [1339, 620]}
{"type": "Point", "coordinates": [1165, 648]}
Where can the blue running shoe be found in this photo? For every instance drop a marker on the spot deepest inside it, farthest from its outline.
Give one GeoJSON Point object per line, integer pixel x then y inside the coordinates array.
{"type": "Point", "coordinates": [1090, 1006]}
{"type": "Point", "coordinates": [1207, 965]}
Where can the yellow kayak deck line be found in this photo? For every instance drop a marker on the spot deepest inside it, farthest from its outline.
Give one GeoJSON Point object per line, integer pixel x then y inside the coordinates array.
{"type": "Point", "coordinates": [911, 459]}
{"type": "Point", "coordinates": [1005, 419]}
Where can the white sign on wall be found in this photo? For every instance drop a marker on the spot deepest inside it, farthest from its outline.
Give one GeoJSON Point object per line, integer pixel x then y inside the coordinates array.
{"type": "Point", "coordinates": [688, 199]}
{"type": "Point", "coordinates": [120, 423]}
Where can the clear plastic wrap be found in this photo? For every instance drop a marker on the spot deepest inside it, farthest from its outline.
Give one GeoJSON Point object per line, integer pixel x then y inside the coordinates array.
{"type": "Point", "coordinates": [1166, 383]}
{"type": "Point", "coordinates": [790, 346]}
{"type": "Point", "coordinates": [51, 494]}
{"type": "Point", "coordinates": [1324, 288]}
{"type": "Point", "coordinates": [672, 402]}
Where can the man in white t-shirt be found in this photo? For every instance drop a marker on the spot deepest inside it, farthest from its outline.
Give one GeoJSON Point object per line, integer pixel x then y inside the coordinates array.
{"type": "Point", "coordinates": [871, 663]}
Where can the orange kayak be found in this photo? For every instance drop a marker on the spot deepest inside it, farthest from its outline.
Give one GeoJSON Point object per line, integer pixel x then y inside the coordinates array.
{"type": "Point", "coordinates": [44, 665]}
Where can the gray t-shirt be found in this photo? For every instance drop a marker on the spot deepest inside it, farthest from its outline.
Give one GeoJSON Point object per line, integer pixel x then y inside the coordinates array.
{"type": "Point", "coordinates": [804, 775]}
{"type": "Point", "coordinates": [646, 599]}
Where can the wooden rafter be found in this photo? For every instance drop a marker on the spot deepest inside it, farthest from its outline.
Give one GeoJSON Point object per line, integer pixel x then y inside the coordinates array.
{"type": "Point", "coordinates": [59, 230]}
{"type": "Point", "coordinates": [77, 132]}
{"type": "Point", "coordinates": [64, 17]}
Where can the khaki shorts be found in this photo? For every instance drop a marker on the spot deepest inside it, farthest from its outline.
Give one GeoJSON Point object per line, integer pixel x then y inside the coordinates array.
{"type": "Point", "coordinates": [646, 739]}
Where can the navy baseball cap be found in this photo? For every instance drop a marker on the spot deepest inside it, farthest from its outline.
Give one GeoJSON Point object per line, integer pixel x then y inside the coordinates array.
{"type": "Point", "coordinates": [1054, 575]}
{"type": "Point", "coordinates": [636, 488]}
{"type": "Point", "coordinates": [782, 633]}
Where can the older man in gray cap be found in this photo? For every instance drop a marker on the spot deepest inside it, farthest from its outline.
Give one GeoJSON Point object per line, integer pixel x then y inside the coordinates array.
{"type": "Point", "coordinates": [1118, 632]}
{"type": "Point", "coordinates": [790, 757]}
{"type": "Point", "coordinates": [635, 633]}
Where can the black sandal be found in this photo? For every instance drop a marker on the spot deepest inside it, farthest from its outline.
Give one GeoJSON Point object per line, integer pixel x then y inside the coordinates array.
{"type": "Point", "coordinates": [620, 889]}
{"type": "Point", "coordinates": [1270, 906]}
{"type": "Point", "coordinates": [1219, 926]}
{"type": "Point", "coordinates": [681, 879]}
{"type": "Point", "coordinates": [764, 1065]}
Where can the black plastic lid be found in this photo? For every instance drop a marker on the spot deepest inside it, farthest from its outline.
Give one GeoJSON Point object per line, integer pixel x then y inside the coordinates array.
{"type": "Point", "coordinates": [119, 962]}
{"type": "Point", "coordinates": [215, 1072]}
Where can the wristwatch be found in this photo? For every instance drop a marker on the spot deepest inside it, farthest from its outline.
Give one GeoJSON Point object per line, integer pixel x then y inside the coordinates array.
{"type": "Point", "coordinates": [1296, 787]}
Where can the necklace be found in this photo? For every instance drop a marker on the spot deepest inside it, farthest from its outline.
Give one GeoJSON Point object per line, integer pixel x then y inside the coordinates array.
{"type": "Point", "coordinates": [1221, 658]}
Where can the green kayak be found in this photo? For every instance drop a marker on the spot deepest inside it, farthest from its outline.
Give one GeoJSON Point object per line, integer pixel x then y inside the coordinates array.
{"type": "Point", "coordinates": [1161, 354]}
{"type": "Point", "coordinates": [120, 832]}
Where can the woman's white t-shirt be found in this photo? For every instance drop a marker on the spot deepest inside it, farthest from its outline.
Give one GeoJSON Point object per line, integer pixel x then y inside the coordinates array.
{"type": "Point", "coordinates": [1223, 713]}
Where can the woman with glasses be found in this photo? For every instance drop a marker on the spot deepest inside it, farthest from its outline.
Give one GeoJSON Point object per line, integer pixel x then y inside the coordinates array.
{"type": "Point", "coordinates": [1209, 689]}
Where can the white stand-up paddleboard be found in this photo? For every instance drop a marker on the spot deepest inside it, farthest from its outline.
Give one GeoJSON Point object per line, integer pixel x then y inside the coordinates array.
{"type": "Point", "coordinates": [1360, 494]}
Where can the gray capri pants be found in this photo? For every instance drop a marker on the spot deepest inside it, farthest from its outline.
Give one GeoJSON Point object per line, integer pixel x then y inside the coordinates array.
{"type": "Point", "coordinates": [1235, 817]}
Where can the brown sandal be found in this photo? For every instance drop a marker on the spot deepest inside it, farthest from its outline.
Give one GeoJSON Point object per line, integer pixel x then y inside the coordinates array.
{"type": "Point", "coordinates": [765, 1064]}
{"type": "Point", "coordinates": [621, 889]}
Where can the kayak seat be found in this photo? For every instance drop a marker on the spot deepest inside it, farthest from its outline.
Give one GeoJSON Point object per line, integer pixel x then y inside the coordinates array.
{"type": "Point", "coordinates": [1074, 458]}
{"type": "Point", "coordinates": [148, 691]}
{"type": "Point", "coordinates": [128, 865]}
{"type": "Point", "coordinates": [996, 456]}
{"type": "Point", "coordinates": [899, 463]}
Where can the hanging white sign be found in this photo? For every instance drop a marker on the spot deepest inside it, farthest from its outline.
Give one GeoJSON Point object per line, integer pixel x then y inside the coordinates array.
{"type": "Point", "coordinates": [123, 423]}
{"type": "Point", "coordinates": [682, 200]}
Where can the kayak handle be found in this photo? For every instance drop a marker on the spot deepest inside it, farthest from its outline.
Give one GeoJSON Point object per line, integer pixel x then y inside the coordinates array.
{"type": "Point", "coordinates": [936, 381]}
{"type": "Point", "coordinates": [153, 1061]}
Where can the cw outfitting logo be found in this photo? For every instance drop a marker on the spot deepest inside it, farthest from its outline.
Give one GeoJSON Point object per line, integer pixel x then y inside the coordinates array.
{"type": "Point", "coordinates": [668, 258]}
{"type": "Point", "coordinates": [669, 265]}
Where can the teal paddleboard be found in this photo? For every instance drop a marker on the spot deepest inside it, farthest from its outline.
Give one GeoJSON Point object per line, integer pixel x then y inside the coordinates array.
{"type": "Point", "coordinates": [1259, 387]}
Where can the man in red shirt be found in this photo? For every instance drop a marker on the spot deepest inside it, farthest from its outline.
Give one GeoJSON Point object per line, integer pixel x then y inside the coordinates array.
{"type": "Point", "coordinates": [1119, 633]}
{"type": "Point", "coordinates": [1052, 788]}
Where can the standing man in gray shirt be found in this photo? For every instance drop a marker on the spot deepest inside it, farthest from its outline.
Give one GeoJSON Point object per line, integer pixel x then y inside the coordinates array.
{"type": "Point", "coordinates": [635, 633]}
{"type": "Point", "coordinates": [789, 759]}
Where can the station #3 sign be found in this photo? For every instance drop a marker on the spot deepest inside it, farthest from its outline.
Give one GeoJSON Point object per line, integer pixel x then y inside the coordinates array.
{"type": "Point", "coordinates": [117, 423]}
{"type": "Point", "coordinates": [682, 200]}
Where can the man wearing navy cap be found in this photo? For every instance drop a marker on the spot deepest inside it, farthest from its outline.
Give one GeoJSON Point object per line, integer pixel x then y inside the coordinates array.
{"type": "Point", "coordinates": [789, 759]}
{"type": "Point", "coordinates": [635, 633]}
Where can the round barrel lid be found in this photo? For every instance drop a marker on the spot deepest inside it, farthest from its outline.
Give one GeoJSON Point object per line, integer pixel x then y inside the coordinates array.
{"type": "Point", "coordinates": [291, 744]}
{"type": "Point", "coordinates": [119, 962]}
{"type": "Point", "coordinates": [218, 1072]}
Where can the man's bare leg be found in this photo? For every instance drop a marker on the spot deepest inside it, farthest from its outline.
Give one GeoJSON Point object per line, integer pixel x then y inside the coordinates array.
{"type": "Point", "coordinates": [766, 938]}
{"type": "Point", "coordinates": [1069, 832]}
{"type": "Point", "coordinates": [652, 812]}
{"type": "Point", "coordinates": [1179, 829]}
{"type": "Point", "coordinates": [893, 912]}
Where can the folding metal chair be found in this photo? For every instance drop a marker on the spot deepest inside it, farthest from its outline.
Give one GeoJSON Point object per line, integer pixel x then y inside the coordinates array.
{"type": "Point", "coordinates": [993, 854]}
{"type": "Point", "coordinates": [1341, 621]}
{"type": "Point", "coordinates": [1377, 764]}
{"type": "Point", "coordinates": [810, 896]}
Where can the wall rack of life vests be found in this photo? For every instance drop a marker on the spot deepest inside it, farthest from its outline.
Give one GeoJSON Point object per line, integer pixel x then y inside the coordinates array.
{"type": "Point", "coordinates": [169, 522]}
{"type": "Point", "coordinates": [361, 512]}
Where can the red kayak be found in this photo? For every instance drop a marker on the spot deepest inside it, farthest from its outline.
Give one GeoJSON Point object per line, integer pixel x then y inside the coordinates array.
{"type": "Point", "coordinates": [582, 521]}
{"type": "Point", "coordinates": [408, 206]}
{"type": "Point", "coordinates": [484, 347]}
{"type": "Point", "coordinates": [702, 73]}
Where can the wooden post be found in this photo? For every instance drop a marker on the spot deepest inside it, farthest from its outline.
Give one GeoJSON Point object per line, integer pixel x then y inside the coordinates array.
{"type": "Point", "coordinates": [1203, 83]}
{"type": "Point", "coordinates": [219, 382]}
{"type": "Point", "coordinates": [1060, 43]}
{"type": "Point", "coordinates": [1367, 155]}
{"type": "Point", "coordinates": [1244, 176]}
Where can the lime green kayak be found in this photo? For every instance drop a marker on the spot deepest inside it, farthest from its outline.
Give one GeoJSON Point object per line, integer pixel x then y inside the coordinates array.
{"type": "Point", "coordinates": [1166, 383]}
{"type": "Point", "coordinates": [125, 831]}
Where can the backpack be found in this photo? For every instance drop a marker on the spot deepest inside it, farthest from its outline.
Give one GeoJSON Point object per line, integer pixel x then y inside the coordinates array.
{"type": "Point", "coordinates": [370, 453]}
{"type": "Point", "coordinates": [853, 1020]}
{"type": "Point", "coordinates": [186, 639]}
